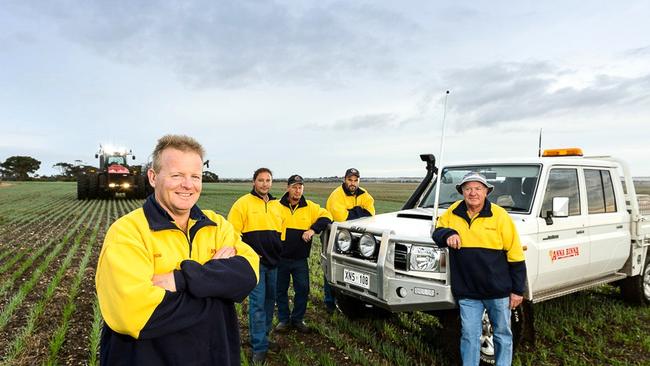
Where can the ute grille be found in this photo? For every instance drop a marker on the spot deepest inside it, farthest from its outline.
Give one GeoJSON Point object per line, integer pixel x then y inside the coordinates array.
{"type": "Point", "coordinates": [401, 257]}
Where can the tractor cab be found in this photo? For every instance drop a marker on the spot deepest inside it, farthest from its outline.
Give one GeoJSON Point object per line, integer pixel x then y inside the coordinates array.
{"type": "Point", "coordinates": [113, 178]}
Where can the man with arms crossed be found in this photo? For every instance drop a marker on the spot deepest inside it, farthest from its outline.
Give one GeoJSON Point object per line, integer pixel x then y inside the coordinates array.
{"type": "Point", "coordinates": [488, 271]}
{"type": "Point", "coordinates": [169, 273]}
{"type": "Point", "coordinates": [301, 219]}
{"type": "Point", "coordinates": [256, 215]}
{"type": "Point", "coordinates": [347, 202]}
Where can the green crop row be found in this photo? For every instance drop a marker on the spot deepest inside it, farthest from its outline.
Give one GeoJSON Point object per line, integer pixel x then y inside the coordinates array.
{"type": "Point", "coordinates": [43, 227]}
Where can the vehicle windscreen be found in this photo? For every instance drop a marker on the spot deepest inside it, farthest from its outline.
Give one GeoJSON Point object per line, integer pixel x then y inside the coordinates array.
{"type": "Point", "coordinates": [116, 160]}
{"type": "Point", "coordinates": [514, 185]}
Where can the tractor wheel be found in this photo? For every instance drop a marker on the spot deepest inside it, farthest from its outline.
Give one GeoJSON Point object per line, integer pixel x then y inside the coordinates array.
{"type": "Point", "coordinates": [82, 187]}
{"type": "Point", "coordinates": [93, 186]}
{"type": "Point", "coordinates": [102, 187]}
{"type": "Point", "coordinates": [636, 289]}
{"type": "Point", "coordinates": [147, 187]}
{"type": "Point", "coordinates": [140, 189]}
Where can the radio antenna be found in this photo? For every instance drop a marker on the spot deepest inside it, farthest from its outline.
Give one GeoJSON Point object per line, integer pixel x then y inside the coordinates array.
{"type": "Point", "coordinates": [440, 164]}
{"type": "Point", "coordinates": [539, 148]}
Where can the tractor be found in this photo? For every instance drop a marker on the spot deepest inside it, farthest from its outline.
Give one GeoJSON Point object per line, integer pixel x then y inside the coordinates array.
{"type": "Point", "coordinates": [114, 176]}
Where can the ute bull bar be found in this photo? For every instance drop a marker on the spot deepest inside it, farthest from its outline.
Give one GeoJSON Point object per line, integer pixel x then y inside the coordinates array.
{"type": "Point", "coordinates": [378, 283]}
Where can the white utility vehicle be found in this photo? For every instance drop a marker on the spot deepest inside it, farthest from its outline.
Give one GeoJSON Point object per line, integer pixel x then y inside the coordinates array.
{"type": "Point", "coordinates": [578, 218]}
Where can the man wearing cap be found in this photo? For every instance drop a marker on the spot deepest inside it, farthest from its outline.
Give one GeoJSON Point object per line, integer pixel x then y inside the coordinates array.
{"type": "Point", "coordinates": [347, 202]}
{"type": "Point", "coordinates": [301, 219]}
{"type": "Point", "coordinates": [488, 271]}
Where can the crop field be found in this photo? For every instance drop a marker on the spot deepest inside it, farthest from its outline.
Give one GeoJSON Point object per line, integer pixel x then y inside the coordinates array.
{"type": "Point", "coordinates": [49, 244]}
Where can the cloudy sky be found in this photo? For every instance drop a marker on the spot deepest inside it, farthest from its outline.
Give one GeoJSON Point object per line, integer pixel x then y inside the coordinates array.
{"type": "Point", "coordinates": [315, 87]}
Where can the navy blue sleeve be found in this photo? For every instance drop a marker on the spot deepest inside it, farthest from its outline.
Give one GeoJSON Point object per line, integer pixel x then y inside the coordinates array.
{"type": "Point", "coordinates": [176, 311]}
{"type": "Point", "coordinates": [441, 234]}
{"type": "Point", "coordinates": [357, 212]}
{"type": "Point", "coordinates": [230, 278]}
{"type": "Point", "coordinates": [320, 224]}
{"type": "Point", "coordinates": [518, 276]}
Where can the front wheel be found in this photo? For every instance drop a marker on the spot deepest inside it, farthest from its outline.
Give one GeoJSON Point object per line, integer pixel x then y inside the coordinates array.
{"type": "Point", "coordinates": [487, 335]}
{"type": "Point", "coordinates": [354, 308]}
{"type": "Point", "coordinates": [450, 321]}
{"type": "Point", "coordinates": [349, 306]}
{"type": "Point", "coordinates": [636, 289]}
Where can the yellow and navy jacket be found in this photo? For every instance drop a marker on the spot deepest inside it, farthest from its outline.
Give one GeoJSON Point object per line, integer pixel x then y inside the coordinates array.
{"type": "Point", "coordinates": [260, 225]}
{"type": "Point", "coordinates": [345, 205]}
{"type": "Point", "coordinates": [298, 219]}
{"type": "Point", "coordinates": [490, 263]}
{"type": "Point", "coordinates": [197, 324]}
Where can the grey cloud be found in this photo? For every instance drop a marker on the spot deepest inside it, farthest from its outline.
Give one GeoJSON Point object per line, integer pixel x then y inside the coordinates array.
{"type": "Point", "coordinates": [420, 113]}
{"type": "Point", "coordinates": [361, 122]}
{"type": "Point", "coordinates": [231, 44]}
{"type": "Point", "coordinates": [641, 51]}
{"type": "Point", "coordinates": [507, 92]}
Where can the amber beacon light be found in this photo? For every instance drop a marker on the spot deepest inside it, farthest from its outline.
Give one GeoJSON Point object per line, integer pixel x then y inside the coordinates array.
{"type": "Point", "coordinates": [571, 151]}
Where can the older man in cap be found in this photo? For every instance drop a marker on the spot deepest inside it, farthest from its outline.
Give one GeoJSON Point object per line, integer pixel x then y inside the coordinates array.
{"type": "Point", "coordinates": [301, 219]}
{"type": "Point", "coordinates": [488, 271]}
{"type": "Point", "coordinates": [347, 202]}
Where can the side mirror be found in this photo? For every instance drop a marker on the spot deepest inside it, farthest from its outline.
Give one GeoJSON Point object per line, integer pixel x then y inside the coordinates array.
{"type": "Point", "coordinates": [560, 206]}
{"type": "Point", "coordinates": [560, 209]}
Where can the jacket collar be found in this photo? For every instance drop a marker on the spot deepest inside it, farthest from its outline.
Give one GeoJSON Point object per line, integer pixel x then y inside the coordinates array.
{"type": "Point", "coordinates": [357, 193]}
{"type": "Point", "coordinates": [159, 219]}
{"type": "Point", "coordinates": [285, 201]}
{"type": "Point", "coordinates": [461, 210]}
{"type": "Point", "coordinates": [254, 193]}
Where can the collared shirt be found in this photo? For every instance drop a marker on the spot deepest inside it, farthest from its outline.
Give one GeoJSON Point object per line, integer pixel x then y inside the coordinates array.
{"type": "Point", "coordinates": [296, 220]}
{"type": "Point", "coordinates": [491, 262]}
{"type": "Point", "coordinates": [260, 225]}
{"type": "Point", "coordinates": [145, 324]}
{"type": "Point", "coordinates": [345, 205]}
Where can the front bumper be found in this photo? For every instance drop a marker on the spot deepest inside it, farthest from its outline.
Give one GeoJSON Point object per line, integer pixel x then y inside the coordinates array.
{"type": "Point", "coordinates": [389, 289]}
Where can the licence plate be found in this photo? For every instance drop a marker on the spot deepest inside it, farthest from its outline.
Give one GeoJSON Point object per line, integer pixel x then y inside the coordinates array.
{"type": "Point", "coordinates": [356, 278]}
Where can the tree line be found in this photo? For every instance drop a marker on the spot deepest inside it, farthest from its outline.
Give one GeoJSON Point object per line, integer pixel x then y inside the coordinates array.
{"type": "Point", "coordinates": [20, 168]}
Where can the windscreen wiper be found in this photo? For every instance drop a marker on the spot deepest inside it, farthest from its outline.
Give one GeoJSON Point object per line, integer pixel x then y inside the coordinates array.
{"type": "Point", "coordinates": [514, 208]}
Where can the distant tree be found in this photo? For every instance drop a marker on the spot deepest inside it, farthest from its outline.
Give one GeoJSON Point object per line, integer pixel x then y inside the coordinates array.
{"type": "Point", "coordinates": [210, 177]}
{"type": "Point", "coordinates": [19, 167]}
{"type": "Point", "coordinates": [70, 172]}
{"type": "Point", "coordinates": [65, 168]}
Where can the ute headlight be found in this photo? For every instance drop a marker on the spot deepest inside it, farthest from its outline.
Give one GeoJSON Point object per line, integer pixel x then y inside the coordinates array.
{"type": "Point", "coordinates": [344, 240]}
{"type": "Point", "coordinates": [367, 245]}
{"type": "Point", "coordinates": [424, 259]}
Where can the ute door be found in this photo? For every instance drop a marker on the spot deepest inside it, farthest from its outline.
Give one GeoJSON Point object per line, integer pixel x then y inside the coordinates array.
{"type": "Point", "coordinates": [608, 227]}
{"type": "Point", "coordinates": [562, 242]}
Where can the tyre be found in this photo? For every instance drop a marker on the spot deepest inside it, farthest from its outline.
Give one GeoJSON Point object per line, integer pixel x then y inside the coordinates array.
{"type": "Point", "coordinates": [450, 333]}
{"type": "Point", "coordinates": [102, 187]}
{"type": "Point", "coordinates": [148, 189]}
{"type": "Point", "coordinates": [356, 309]}
{"type": "Point", "coordinates": [636, 289]}
{"type": "Point", "coordinates": [450, 321]}
{"type": "Point", "coordinates": [82, 187]}
{"type": "Point", "coordinates": [349, 306]}
{"type": "Point", "coordinates": [93, 186]}
{"type": "Point", "coordinates": [140, 189]}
